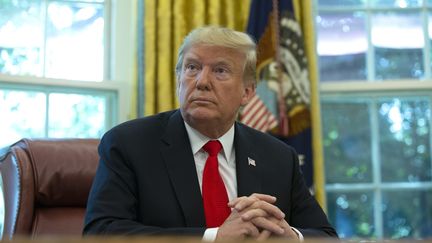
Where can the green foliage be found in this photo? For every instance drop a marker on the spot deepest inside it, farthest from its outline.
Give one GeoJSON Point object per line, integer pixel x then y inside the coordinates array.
{"type": "Point", "coordinates": [347, 151]}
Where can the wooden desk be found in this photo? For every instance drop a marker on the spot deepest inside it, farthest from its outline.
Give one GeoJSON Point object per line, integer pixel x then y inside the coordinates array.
{"type": "Point", "coordinates": [116, 239]}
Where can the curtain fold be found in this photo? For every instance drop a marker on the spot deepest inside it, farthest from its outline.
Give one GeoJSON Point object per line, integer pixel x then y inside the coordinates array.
{"type": "Point", "coordinates": [166, 24]}
{"type": "Point", "coordinates": [304, 12]}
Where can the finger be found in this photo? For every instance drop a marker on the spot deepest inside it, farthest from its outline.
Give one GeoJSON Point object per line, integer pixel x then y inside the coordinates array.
{"type": "Point", "coordinates": [269, 225]}
{"type": "Point", "coordinates": [249, 229]}
{"type": "Point", "coordinates": [242, 202]}
{"type": "Point", "coordinates": [245, 203]}
{"type": "Point", "coordinates": [253, 197]}
{"type": "Point", "coordinates": [284, 224]}
{"type": "Point", "coordinates": [289, 232]}
{"type": "Point", "coordinates": [264, 197]}
{"type": "Point", "coordinates": [264, 235]}
{"type": "Point", "coordinates": [253, 213]}
{"type": "Point", "coordinates": [233, 202]}
{"type": "Point", "coordinates": [270, 209]}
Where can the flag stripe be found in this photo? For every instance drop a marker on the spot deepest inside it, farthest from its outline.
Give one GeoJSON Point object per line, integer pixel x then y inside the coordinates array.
{"type": "Point", "coordinates": [259, 111]}
{"type": "Point", "coordinates": [248, 109]}
{"type": "Point", "coordinates": [259, 117]}
{"type": "Point", "coordinates": [263, 123]}
{"type": "Point", "coordinates": [251, 110]}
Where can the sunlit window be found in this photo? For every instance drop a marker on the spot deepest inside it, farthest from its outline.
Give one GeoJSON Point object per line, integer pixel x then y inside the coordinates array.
{"type": "Point", "coordinates": [376, 86]}
{"type": "Point", "coordinates": [54, 39]}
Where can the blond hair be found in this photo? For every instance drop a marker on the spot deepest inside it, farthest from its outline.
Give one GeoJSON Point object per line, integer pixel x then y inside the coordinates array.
{"type": "Point", "coordinates": [224, 37]}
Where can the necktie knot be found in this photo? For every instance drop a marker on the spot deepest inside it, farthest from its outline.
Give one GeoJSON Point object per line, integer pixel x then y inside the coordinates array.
{"type": "Point", "coordinates": [213, 147]}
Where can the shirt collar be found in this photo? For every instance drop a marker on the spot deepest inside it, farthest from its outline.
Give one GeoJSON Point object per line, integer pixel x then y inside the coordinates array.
{"type": "Point", "coordinates": [198, 140]}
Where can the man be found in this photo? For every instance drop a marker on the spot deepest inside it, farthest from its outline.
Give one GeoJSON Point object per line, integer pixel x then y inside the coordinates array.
{"type": "Point", "coordinates": [196, 171]}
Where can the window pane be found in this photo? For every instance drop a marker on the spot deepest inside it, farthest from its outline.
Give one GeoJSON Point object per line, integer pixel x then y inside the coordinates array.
{"type": "Point", "coordinates": [397, 3]}
{"type": "Point", "coordinates": [342, 46]}
{"type": "Point", "coordinates": [21, 42]}
{"type": "Point", "coordinates": [340, 3]}
{"type": "Point", "coordinates": [351, 213]}
{"type": "Point", "coordinates": [407, 214]}
{"type": "Point", "coordinates": [405, 139]}
{"type": "Point", "coordinates": [399, 46]}
{"type": "Point", "coordinates": [22, 115]}
{"type": "Point", "coordinates": [347, 152]}
{"type": "Point", "coordinates": [430, 36]}
{"type": "Point", "coordinates": [75, 41]}
{"type": "Point", "coordinates": [73, 115]}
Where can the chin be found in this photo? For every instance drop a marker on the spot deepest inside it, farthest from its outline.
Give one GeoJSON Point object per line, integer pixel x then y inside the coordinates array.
{"type": "Point", "coordinates": [200, 114]}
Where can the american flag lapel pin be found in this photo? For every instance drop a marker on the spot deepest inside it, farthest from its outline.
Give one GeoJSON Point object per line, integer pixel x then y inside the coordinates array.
{"type": "Point", "coordinates": [251, 162]}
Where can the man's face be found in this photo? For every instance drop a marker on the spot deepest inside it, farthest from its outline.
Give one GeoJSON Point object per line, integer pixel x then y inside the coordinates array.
{"type": "Point", "coordinates": [211, 87]}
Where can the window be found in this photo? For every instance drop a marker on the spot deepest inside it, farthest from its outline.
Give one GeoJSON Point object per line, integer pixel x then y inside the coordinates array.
{"type": "Point", "coordinates": [56, 75]}
{"type": "Point", "coordinates": [376, 100]}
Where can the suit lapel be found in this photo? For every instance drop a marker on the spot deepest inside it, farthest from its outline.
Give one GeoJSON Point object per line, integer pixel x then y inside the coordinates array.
{"type": "Point", "coordinates": [247, 164]}
{"type": "Point", "coordinates": [178, 157]}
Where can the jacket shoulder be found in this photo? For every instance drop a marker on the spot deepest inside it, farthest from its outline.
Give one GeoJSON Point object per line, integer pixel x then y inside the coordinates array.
{"type": "Point", "coordinates": [263, 139]}
{"type": "Point", "coordinates": [141, 127]}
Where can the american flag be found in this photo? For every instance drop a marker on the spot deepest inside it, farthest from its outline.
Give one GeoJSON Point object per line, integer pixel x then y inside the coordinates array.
{"type": "Point", "coordinates": [256, 115]}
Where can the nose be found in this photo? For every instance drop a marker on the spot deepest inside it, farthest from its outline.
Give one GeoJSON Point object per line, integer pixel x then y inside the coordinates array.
{"type": "Point", "coordinates": [203, 79]}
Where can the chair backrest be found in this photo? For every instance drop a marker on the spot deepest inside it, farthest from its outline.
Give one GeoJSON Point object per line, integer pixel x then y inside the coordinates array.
{"type": "Point", "coordinates": [46, 183]}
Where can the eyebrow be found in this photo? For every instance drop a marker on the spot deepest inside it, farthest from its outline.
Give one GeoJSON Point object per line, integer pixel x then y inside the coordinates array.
{"type": "Point", "coordinates": [218, 62]}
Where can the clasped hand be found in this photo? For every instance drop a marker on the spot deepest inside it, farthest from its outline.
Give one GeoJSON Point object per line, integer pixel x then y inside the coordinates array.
{"type": "Point", "coordinates": [254, 216]}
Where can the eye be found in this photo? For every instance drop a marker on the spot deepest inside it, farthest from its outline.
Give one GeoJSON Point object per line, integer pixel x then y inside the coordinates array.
{"type": "Point", "coordinates": [191, 69]}
{"type": "Point", "coordinates": [191, 66]}
{"type": "Point", "coordinates": [221, 72]}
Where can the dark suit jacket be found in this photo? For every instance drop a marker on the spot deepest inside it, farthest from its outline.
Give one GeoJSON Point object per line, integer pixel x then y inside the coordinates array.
{"type": "Point", "coordinates": [146, 182]}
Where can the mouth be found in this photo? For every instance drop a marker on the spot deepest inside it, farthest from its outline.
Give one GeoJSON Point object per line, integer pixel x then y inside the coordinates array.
{"type": "Point", "coordinates": [202, 101]}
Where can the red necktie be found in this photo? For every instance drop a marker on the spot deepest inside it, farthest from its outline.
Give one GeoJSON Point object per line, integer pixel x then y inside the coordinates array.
{"type": "Point", "coordinates": [214, 194]}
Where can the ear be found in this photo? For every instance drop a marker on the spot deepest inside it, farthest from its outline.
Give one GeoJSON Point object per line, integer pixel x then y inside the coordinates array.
{"type": "Point", "coordinates": [177, 84]}
{"type": "Point", "coordinates": [248, 93]}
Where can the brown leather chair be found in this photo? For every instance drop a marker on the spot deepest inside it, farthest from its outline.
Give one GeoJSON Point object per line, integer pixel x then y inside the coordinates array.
{"type": "Point", "coordinates": [46, 184]}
